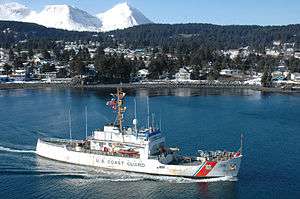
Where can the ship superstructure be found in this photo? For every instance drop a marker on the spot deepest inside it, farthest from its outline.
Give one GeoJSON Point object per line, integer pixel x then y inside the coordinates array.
{"type": "Point", "coordinates": [137, 150]}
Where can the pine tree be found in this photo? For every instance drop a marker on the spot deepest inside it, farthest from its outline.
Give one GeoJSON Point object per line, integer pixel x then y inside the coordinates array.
{"type": "Point", "coordinates": [266, 79]}
{"type": "Point", "coordinates": [11, 55]}
{"type": "Point", "coordinates": [7, 68]}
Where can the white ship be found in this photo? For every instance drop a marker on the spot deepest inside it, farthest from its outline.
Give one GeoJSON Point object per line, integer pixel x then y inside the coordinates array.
{"type": "Point", "coordinates": [138, 150]}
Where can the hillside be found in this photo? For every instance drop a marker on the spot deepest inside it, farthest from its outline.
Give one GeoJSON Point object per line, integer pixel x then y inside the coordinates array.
{"type": "Point", "coordinates": [13, 32]}
{"type": "Point", "coordinates": [208, 35]}
{"type": "Point", "coordinates": [182, 37]}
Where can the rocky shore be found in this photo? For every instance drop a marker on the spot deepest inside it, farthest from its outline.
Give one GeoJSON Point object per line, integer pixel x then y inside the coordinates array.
{"type": "Point", "coordinates": [152, 85]}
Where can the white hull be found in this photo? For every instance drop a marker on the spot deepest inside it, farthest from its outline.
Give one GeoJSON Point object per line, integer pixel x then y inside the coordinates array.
{"type": "Point", "coordinates": [205, 169]}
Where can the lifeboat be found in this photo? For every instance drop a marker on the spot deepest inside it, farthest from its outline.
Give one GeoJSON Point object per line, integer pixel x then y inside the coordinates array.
{"type": "Point", "coordinates": [130, 152]}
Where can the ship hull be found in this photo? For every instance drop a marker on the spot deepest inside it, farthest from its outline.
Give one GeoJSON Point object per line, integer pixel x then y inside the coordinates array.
{"type": "Point", "coordinates": [205, 169]}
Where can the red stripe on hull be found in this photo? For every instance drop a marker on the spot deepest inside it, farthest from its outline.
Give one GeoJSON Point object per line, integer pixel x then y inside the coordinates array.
{"type": "Point", "coordinates": [206, 169]}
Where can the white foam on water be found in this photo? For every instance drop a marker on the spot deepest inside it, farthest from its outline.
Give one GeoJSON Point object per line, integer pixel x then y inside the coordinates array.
{"type": "Point", "coordinates": [15, 150]}
{"type": "Point", "coordinates": [120, 176]}
{"type": "Point", "coordinates": [187, 180]}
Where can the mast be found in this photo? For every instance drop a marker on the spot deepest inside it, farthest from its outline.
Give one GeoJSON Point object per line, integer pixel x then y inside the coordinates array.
{"type": "Point", "coordinates": [148, 112]}
{"type": "Point", "coordinates": [86, 122]}
{"type": "Point", "coordinates": [153, 120]}
{"type": "Point", "coordinates": [70, 124]}
{"type": "Point", "coordinates": [160, 121]}
{"type": "Point", "coordinates": [135, 118]}
{"type": "Point", "coordinates": [116, 103]}
{"type": "Point", "coordinates": [121, 109]}
{"type": "Point", "coordinates": [241, 147]}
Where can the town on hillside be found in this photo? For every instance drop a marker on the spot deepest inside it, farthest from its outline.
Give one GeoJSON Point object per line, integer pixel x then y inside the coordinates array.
{"type": "Point", "coordinates": [90, 63]}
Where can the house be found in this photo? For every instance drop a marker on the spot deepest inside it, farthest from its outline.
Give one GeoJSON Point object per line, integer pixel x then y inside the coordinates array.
{"type": "Point", "coordinates": [230, 72]}
{"type": "Point", "coordinates": [48, 76]}
{"type": "Point", "coordinates": [295, 77]}
{"type": "Point", "coordinates": [281, 68]}
{"type": "Point", "coordinates": [280, 71]}
{"type": "Point", "coordinates": [19, 75]}
{"type": "Point", "coordinates": [297, 54]}
{"type": "Point", "coordinates": [274, 53]}
{"type": "Point", "coordinates": [183, 74]}
{"type": "Point", "coordinates": [233, 53]}
{"type": "Point", "coordinates": [277, 74]}
{"type": "Point", "coordinates": [142, 74]}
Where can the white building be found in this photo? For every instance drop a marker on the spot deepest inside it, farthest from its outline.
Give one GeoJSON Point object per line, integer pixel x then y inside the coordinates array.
{"type": "Point", "coordinates": [233, 53]}
{"type": "Point", "coordinates": [295, 76]}
{"type": "Point", "coordinates": [19, 75]}
{"type": "Point", "coordinates": [276, 43]}
{"type": "Point", "coordinates": [273, 53]}
{"type": "Point", "coordinates": [183, 75]}
{"type": "Point", "coordinates": [230, 72]}
{"type": "Point", "coordinates": [297, 54]}
{"type": "Point", "coordinates": [142, 74]}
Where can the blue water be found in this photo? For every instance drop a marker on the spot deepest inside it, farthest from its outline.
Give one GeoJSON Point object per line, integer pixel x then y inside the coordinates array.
{"type": "Point", "coordinates": [192, 119]}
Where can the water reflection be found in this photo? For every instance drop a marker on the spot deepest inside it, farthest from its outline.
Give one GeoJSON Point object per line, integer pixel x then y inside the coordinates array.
{"type": "Point", "coordinates": [181, 92]}
{"type": "Point", "coordinates": [217, 190]}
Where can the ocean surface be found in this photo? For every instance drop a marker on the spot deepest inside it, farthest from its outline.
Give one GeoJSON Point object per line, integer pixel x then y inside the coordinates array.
{"type": "Point", "coordinates": [191, 119]}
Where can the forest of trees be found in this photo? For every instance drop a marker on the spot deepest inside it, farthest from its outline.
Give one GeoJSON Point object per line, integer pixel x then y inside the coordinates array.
{"type": "Point", "coordinates": [186, 37]}
{"type": "Point", "coordinates": [179, 37]}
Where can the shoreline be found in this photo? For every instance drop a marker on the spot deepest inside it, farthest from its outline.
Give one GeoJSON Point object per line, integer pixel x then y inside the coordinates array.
{"type": "Point", "coordinates": [142, 85]}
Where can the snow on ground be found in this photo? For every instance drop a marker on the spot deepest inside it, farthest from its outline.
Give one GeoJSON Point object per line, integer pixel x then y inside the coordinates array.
{"type": "Point", "coordinates": [256, 81]}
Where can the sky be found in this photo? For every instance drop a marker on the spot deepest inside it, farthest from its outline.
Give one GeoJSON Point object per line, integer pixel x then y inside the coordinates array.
{"type": "Point", "coordinates": [222, 12]}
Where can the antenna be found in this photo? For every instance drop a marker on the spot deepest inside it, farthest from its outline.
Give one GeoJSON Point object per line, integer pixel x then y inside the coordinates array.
{"type": "Point", "coordinates": [160, 121]}
{"type": "Point", "coordinates": [148, 112]}
{"type": "Point", "coordinates": [153, 119]}
{"type": "Point", "coordinates": [135, 119]}
{"type": "Point", "coordinates": [86, 122]}
{"type": "Point", "coordinates": [241, 147]}
{"type": "Point", "coordinates": [120, 108]}
{"type": "Point", "coordinates": [70, 124]}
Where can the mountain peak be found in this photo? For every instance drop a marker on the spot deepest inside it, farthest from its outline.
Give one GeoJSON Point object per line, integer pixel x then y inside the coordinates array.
{"type": "Point", "coordinates": [121, 16]}
{"type": "Point", "coordinates": [14, 5]}
{"type": "Point", "coordinates": [123, 5]}
{"type": "Point", "coordinates": [67, 17]}
{"type": "Point", "coordinates": [13, 11]}
{"type": "Point", "coordinates": [62, 10]}
{"type": "Point", "coordinates": [58, 7]}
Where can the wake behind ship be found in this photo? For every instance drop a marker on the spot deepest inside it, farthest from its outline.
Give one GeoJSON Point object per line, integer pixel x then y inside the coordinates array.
{"type": "Point", "coordinates": [138, 150]}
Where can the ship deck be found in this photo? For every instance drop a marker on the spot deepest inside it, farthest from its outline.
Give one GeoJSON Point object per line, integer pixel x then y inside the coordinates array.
{"type": "Point", "coordinates": [69, 146]}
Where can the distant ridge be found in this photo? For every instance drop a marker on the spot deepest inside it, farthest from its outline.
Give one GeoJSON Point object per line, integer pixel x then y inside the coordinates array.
{"type": "Point", "coordinates": [154, 35]}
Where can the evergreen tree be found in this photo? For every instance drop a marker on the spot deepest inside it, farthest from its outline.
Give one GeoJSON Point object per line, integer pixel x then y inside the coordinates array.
{"type": "Point", "coordinates": [46, 54]}
{"type": "Point", "coordinates": [11, 55]}
{"type": "Point", "coordinates": [78, 67]}
{"type": "Point", "coordinates": [30, 53]}
{"type": "Point", "coordinates": [48, 68]}
{"type": "Point", "coordinates": [8, 69]}
{"type": "Point", "coordinates": [266, 79]}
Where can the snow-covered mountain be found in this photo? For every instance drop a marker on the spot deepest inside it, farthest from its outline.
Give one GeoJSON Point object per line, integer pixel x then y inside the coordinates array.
{"type": "Point", "coordinates": [65, 17]}
{"type": "Point", "coordinates": [70, 18]}
{"type": "Point", "coordinates": [122, 16]}
{"type": "Point", "coordinates": [13, 11]}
